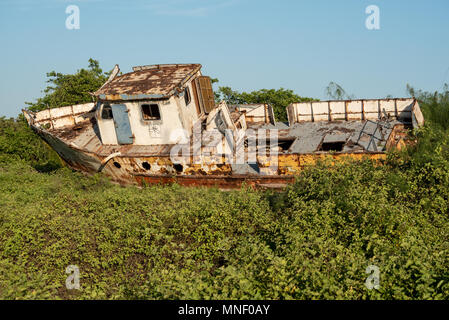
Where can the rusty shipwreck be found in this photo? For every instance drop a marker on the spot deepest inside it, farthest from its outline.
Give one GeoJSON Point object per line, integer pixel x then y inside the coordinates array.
{"type": "Point", "coordinates": [161, 124]}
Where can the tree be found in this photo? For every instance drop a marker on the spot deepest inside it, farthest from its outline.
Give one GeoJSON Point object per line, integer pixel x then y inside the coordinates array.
{"type": "Point", "coordinates": [336, 92]}
{"type": "Point", "coordinates": [70, 89]}
{"type": "Point", "coordinates": [278, 99]}
{"type": "Point", "coordinates": [435, 105]}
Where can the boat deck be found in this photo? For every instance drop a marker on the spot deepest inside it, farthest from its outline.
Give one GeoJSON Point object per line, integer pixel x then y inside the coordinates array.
{"type": "Point", "coordinates": [301, 138]}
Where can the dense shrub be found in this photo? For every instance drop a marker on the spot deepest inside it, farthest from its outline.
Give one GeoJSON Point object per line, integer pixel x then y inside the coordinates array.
{"type": "Point", "coordinates": [313, 241]}
{"type": "Point", "coordinates": [18, 141]}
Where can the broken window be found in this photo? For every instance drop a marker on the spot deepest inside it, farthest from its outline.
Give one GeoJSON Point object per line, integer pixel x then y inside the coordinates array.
{"type": "Point", "coordinates": [332, 146]}
{"type": "Point", "coordinates": [187, 97]}
{"type": "Point", "coordinates": [107, 112]}
{"type": "Point", "coordinates": [151, 112]}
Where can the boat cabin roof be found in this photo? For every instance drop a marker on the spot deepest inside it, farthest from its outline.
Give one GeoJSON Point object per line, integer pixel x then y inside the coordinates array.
{"type": "Point", "coordinates": [158, 81]}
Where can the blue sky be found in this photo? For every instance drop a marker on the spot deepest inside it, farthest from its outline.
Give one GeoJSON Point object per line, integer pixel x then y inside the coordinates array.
{"type": "Point", "coordinates": [246, 44]}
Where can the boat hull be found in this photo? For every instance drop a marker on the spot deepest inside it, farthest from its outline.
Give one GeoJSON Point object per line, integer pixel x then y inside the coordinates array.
{"type": "Point", "coordinates": [127, 170]}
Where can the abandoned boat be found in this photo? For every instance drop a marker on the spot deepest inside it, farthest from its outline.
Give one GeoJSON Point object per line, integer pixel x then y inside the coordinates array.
{"type": "Point", "coordinates": [161, 124]}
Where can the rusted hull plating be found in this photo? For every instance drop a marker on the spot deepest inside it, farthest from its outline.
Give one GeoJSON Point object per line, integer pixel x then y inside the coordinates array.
{"type": "Point", "coordinates": [161, 170]}
{"type": "Point", "coordinates": [73, 133]}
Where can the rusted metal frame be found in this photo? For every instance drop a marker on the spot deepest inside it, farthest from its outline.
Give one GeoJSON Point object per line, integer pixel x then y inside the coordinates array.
{"type": "Point", "coordinates": [72, 146]}
{"type": "Point", "coordinates": [363, 110]}
{"type": "Point", "coordinates": [184, 81]}
{"type": "Point", "coordinates": [215, 180]}
{"type": "Point", "coordinates": [361, 132]}
{"type": "Point", "coordinates": [51, 120]}
{"type": "Point", "coordinates": [371, 140]}
{"type": "Point", "coordinates": [379, 112]}
{"type": "Point", "coordinates": [346, 111]}
{"type": "Point", "coordinates": [195, 97]}
{"type": "Point", "coordinates": [396, 109]}
{"type": "Point", "coordinates": [271, 116]}
{"type": "Point", "coordinates": [88, 142]}
{"type": "Point", "coordinates": [158, 66]}
{"type": "Point", "coordinates": [105, 161]}
{"type": "Point", "coordinates": [311, 111]}
{"type": "Point", "coordinates": [61, 117]}
{"type": "Point", "coordinates": [265, 113]}
{"type": "Point", "coordinates": [133, 155]}
{"type": "Point", "coordinates": [74, 117]}
{"type": "Point", "coordinates": [200, 95]}
{"type": "Point", "coordinates": [321, 143]}
{"type": "Point", "coordinates": [206, 88]}
{"type": "Point", "coordinates": [373, 136]}
{"type": "Point", "coordinates": [112, 76]}
{"type": "Point", "coordinates": [172, 87]}
{"type": "Point", "coordinates": [351, 100]}
{"type": "Point", "coordinates": [295, 107]}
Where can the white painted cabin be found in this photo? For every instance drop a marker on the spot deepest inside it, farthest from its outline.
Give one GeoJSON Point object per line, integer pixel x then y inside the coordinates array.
{"type": "Point", "coordinates": [153, 105]}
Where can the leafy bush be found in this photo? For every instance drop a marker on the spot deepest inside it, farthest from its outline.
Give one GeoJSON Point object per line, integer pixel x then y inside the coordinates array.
{"type": "Point", "coordinates": [279, 99]}
{"type": "Point", "coordinates": [71, 89]}
{"type": "Point", "coordinates": [18, 141]}
{"type": "Point", "coordinates": [312, 241]}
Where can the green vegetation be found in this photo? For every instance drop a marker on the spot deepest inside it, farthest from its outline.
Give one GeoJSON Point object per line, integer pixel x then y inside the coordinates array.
{"type": "Point", "coordinates": [312, 241]}
{"type": "Point", "coordinates": [18, 142]}
{"type": "Point", "coordinates": [279, 99]}
{"type": "Point", "coordinates": [336, 92]}
{"type": "Point", "coordinates": [70, 89]}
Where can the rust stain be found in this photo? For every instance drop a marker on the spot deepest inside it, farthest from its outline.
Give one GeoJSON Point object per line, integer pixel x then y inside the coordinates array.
{"type": "Point", "coordinates": [158, 81]}
{"type": "Point", "coordinates": [74, 133]}
{"type": "Point", "coordinates": [224, 182]}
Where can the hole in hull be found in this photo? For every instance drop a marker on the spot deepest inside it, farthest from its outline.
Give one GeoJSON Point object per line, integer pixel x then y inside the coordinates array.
{"type": "Point", "coordinates": [146, 165]}
{"type": "Point", "coordinates": [332, 146]}
{"type": "Point", "coordinates": [178, 167]}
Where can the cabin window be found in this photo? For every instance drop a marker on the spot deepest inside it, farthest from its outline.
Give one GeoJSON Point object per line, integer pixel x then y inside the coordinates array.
{"type": "Point", "coordinates": [187, 97]}
{"type": "Point", "coordinates": [107, 112]}
{"type": "Point", "coordinates": [151, 112]}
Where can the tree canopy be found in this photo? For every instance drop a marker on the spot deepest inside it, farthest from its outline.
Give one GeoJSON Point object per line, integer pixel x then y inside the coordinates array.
{"type": "Point", "coordinates": [336, 92]}
{"type": "Point", "coordinates": [279, 99]}
{"type": "Point", "coordinates": [70, 89]}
